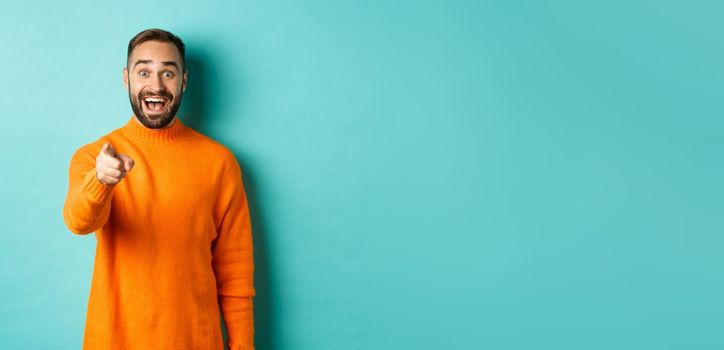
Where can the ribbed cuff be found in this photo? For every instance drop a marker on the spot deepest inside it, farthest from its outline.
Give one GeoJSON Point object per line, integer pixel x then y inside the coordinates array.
{"type": "Point", "coordinates": [238, 315]}
{"type": "Point", "coordinates": [95, 190]}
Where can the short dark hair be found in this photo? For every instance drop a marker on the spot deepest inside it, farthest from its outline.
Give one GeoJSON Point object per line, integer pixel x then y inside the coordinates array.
{"type": "Point", "coordinates": [158, 35]}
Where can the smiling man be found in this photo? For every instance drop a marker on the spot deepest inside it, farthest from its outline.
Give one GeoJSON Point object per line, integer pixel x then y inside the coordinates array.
{"type": "Point", "coordinates": [157, 85]}
{"type": "Point", "coordinates": [168, 207]}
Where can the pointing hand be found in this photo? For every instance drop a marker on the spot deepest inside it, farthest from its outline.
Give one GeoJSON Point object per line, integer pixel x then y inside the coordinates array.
{"type": "Point", "coordinates": [112, 166]}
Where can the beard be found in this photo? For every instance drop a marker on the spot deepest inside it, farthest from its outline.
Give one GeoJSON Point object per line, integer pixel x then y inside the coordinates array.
{"type": "Point", "coordinates": [156, 120]}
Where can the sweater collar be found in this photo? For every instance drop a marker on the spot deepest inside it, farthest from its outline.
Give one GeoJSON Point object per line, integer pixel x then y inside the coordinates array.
{"type": "Point", "coordinates": [141, 133]}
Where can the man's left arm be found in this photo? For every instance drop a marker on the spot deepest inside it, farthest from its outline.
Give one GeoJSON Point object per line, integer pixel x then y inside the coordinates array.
{"type": "Point", "coordinates": [233, 260]}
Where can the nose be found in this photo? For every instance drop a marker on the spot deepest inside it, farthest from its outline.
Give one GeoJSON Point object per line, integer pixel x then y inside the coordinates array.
{"type": "Point", "coordinates": [156, 83]}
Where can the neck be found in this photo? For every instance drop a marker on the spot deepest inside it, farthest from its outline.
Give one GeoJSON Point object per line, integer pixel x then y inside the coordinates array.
{"type": "Point", "coordinates": [172, 133]}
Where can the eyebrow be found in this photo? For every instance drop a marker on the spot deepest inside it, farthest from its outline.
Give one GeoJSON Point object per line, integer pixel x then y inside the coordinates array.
{"type": "Point", "coordinates": [165, 63]}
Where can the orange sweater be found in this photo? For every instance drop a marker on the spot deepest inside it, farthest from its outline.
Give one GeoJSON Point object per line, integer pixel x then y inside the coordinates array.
{"type": "Point", "coordinates": [174, 242]}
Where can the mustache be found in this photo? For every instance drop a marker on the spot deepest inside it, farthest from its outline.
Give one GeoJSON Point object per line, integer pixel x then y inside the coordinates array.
{"type": "Point", "coordinates": [165, 94]}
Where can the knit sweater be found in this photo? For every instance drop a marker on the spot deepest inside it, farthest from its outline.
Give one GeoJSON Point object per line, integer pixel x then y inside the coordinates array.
{"type": "Point", "coordinates": [174, 242]}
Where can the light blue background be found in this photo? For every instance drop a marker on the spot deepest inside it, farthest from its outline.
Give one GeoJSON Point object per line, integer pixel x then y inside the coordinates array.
{"type": "Point", "coordinates": [421, 175]}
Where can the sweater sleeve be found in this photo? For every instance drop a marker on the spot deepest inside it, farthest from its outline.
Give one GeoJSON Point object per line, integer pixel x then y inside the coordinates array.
{"type": "Point", "coordinates": [88, 201]}
{"type": "Point", "coordinates": [239, 318]}
{"type": "Point", "coordinates": [233, 260]}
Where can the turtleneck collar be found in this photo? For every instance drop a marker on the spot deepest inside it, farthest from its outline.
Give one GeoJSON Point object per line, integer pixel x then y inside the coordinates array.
{"type": "Point", "coordinates": [141, 133]}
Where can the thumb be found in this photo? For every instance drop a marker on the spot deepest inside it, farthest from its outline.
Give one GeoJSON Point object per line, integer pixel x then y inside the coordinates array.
{"type": "Point", "coordinates": [127, 161]}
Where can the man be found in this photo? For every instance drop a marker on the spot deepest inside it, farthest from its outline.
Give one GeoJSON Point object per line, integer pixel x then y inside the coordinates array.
{"type": "Point", "coordinates": [170, 216]}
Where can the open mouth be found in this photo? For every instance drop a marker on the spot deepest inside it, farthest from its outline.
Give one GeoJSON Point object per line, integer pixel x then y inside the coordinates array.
{"type": "Point", "coordinates": [155, 104]}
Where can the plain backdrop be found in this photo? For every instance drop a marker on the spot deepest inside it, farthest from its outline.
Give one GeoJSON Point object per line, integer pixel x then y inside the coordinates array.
{"type": "Point", "coordinates": [421, 174]}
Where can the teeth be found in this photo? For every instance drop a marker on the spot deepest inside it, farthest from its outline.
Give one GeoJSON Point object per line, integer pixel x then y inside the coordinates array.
{"type": "Point", "coordinates": [154, 100]}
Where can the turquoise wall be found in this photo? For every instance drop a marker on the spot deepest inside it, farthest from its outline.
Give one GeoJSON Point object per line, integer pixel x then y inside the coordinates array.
{"type": "Point", "coordinates": [421, 174]}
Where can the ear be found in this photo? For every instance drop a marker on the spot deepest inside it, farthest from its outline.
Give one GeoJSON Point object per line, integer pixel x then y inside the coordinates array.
{"type": "Point", "coordinates": [183, 84]}
{"type": "Point", "coordinates": [125, 77]}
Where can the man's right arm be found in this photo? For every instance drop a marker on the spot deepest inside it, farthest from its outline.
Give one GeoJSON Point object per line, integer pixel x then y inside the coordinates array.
{"type": "Point", "coordinates": [88, 202]}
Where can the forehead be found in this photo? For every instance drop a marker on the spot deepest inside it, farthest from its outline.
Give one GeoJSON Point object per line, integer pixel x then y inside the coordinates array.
{"type": "Point", "coordinates": [156, 51]}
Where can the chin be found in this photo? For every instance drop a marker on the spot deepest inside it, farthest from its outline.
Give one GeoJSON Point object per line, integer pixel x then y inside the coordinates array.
{"type": "Point", "coordinates": [156, 122]}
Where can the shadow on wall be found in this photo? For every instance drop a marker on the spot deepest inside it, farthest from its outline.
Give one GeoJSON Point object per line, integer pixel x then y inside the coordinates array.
{"type": "Point", "coordinates": [203, 82]}
{"type": "Point", "coordinates": [196, 97]}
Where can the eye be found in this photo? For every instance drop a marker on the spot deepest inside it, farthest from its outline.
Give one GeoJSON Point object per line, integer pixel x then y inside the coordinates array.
{"type": "Point", "coordinates": [143, 73]}
{"type": "Point", "coordinates": [168, 74]}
